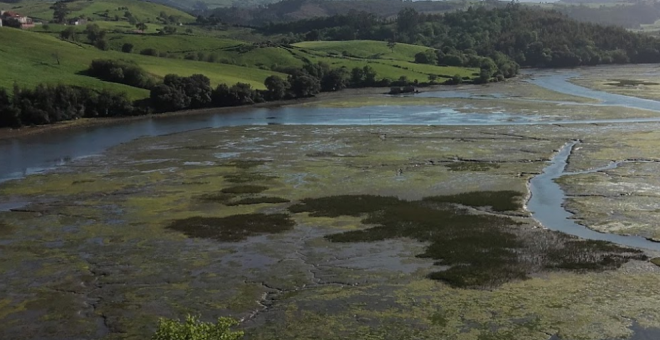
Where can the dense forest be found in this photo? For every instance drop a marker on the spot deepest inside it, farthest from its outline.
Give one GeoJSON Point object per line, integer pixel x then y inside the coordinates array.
{"type": "Point", "coordinates": [625, 15]}
{"type": "Point", "coordinates": [531, 37]}
{"type": "Point", "coordinates": [289, 10]}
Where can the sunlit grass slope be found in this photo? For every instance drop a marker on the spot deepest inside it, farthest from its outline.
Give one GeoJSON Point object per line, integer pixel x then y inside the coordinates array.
{"type": "Point", "coordinates": [365, 49]}
{"type": "Point", "coordinates": [99, 9]}
{"type": "Point", "coordinates": [31, 58]}
{"type": "Point", "coordinates": [388, 62]}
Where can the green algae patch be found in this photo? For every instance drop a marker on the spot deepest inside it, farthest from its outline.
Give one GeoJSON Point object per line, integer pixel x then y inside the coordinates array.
{"type": "Point", "coordinates": [216, 197]}
{"type": "Point", "coordinates": [258, 200]}
{"type": "Point", "coordinates": [656, 261]}
{"type": "Point", "coordinates": [61, 184]}
{"type": "Point", "coordinates": [497, 200]}
{"type": "Point", "coordinates": [244, 189]}
{"type": "Point", "coordinates": [246, 163]}
{"type": "Point", "coordinates": [471, 166]}
{"type": "Point", "coordinates": [247, 177]}
{"type": "Point", "coordinates": [480, 250]}
{"type": "Point", "coordinates": [233, 228]}
{"type": "Point", "coordinates": [344, 205]}
{"type": "Point", "coordinates": [630, 82]}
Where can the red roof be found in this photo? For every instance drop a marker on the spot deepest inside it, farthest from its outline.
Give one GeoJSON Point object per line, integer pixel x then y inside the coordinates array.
{"type": "Point", "coordinates": [11, 14]}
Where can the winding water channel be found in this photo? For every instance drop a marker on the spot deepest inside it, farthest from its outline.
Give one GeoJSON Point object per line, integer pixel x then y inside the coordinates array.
{"type": "Point", "coordinates": [547, 200]}
{"type": "Point", "coordinates": [34, 154]}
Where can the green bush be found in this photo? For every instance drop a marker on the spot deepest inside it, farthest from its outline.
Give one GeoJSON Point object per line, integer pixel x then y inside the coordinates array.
{"type": "Point", "coordinates": [194, 329]}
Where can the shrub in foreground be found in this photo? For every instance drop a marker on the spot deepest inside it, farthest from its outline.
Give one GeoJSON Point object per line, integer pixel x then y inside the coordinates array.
{"type": "Point", "coordinates": [192, 328]}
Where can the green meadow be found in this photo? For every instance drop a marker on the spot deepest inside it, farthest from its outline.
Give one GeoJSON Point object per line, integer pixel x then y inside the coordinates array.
{"type": "Point", "coordinates": [100, 10]}
{"type": "Point", "coordinates": [227, 56]}
{"type": "Point", "coordinates": [31, 58]}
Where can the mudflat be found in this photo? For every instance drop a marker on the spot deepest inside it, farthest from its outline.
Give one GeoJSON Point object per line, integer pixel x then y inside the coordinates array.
{"type": "Point", "coordinates": [373, 231]}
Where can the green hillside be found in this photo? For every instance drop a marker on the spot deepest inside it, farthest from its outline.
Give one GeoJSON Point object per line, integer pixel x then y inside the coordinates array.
{"type": "Point", "coordinates": [177, 44]}
{"type": "Point", "coordinates": [389, 63]}
{"type": "Point", "coordinates": [223, 50]}
{"type": "Point", "coordinates": [100, 10]}
{"type": "Point", "coordinates": [229, 55]}
{"type": "Point", "coordinates": [31, 58]}
{"type": "Point", "coordinates": [203, 4]}
{"type": "Point", "coordinates": [365, 49]}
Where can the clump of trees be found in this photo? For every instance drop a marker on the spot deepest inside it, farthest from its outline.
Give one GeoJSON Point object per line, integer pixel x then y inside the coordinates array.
{"type": "Point", "coordinates": [60, 11]}
{"type": "Point", "coordinates": [121, 72]}
{"type": "Point", "coordinates": [47, 104]}
{"type": "Point", "coordinates": [194, 92]}
{"type": "Point", "coordinates": [96, 36]}
{"type": "Point", "coordinates": [178, 93]}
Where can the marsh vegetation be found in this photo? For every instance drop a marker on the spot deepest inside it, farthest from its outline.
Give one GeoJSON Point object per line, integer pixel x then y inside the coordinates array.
{"type": "Point", "coordinates": [480, 250]}
{"type": "Point", "coordinates": [233, 228]}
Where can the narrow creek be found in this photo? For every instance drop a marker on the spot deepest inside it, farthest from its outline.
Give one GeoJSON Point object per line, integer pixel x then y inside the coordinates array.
{"type": "Point", "coordinates": [547, 202]}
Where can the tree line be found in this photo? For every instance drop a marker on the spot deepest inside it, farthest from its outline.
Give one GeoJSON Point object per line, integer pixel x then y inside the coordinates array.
{"type": "Point", "coordinates": [47, 104]}
{"type": "Point", "coordinates": [627, 15]}
{"type": "Point", "coordinates": [528, 36]}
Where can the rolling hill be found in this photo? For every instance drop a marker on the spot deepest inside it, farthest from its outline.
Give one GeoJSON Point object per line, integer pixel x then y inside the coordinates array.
{"type": "Point", "coordinates": [31, 58]}
{"type": "Point", "coordinates": [101, 10]}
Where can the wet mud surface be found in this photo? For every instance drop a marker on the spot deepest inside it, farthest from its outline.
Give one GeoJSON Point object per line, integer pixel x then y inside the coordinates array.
{"type": "Point", "coordinates": [98, 252]}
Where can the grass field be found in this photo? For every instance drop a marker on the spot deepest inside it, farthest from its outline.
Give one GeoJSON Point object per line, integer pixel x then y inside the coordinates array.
{"type": "Point", "coordinates": [191, 4]}
{"type": "Point", "coordinates": [365, 49]}
{"type": "Point", "coordinates": [387, 64]}
{"type": "Point", "coordinates": [179, 43]}
{"type": "Point", "coordinates": [99, 10]}
{"type": "Point", "coordinates": [30, 58]}
{"type": "Point", "coordinates": [225, 56]}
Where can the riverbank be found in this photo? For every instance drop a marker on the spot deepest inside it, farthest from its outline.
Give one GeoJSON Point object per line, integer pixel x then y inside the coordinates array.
{"type": "Point", "coordinates": [7, 133]}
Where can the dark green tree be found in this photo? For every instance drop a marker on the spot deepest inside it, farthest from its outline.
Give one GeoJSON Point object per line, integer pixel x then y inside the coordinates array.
{"type": "Point", "coordinates": [335, 80]}
{"type": "Point", "coordinates": [141, 27]}
{"type": "Point", "coordinates": [407, 20]}
{"type": "Point", "coordinates": [127, 48]}
{"type": "Point", "coordinates": [9, 116]}
{"type": "Point", "coordinates": [277, 87]}
{"type": "Point", "coordinates": [304, 85]}
{"type": "Point", "coordinates": [166, 98]}
{"type": "Point", "coordinates": [69, 34]}
{"type": "Point", "coordinates": [427, 57]}
{"type": "Point", "coordinates": [60, 11]}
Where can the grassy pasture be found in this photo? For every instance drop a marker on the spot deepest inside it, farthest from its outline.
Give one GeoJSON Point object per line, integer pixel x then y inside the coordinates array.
{"type": "Point", "coordinates": [100, 10]}
{"type": "Point", "coordinates": [32, 58]}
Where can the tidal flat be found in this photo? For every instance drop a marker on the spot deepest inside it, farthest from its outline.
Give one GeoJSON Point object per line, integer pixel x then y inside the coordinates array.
{"type": "Point", "coordinates": [103, 250]}
{"type": "Point", "coordinates": [630, 80]}
{"type": "Point", "coordinates": [333, 232]}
